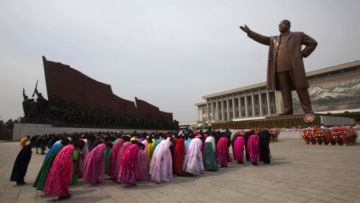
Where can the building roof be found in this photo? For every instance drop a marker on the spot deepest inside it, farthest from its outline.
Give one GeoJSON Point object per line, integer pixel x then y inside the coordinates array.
{"type": "Point", "coordinates": [231, 91]}
{"type": "Point", "coordinates": [200, 103]}
{"type": "Point", "coordinates": [333, 68]}
{"type": "Point", "coordinates": [263, 84]}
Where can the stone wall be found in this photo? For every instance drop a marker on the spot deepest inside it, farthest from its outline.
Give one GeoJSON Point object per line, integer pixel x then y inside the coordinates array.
{"type": "Point", "coordinates": [21, 129]}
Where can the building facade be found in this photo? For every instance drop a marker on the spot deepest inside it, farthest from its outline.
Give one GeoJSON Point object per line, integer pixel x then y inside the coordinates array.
{"type": "Point", "coordinates": [332, 89]}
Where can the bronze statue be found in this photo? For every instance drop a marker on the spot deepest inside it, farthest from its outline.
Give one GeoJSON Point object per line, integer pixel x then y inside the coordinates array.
{"type": "Point", "coordinates": [286, 70]}
{"type": "Point", "coordinates": [25, 104]}
{"type": "Point", "coordinates": [29, 106]}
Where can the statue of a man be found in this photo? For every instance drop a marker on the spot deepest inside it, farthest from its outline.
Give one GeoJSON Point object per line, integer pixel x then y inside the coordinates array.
{"type": "Point", "coordinates": [286, 70]}
{"type": "Point", "coordinates": [25, 104]}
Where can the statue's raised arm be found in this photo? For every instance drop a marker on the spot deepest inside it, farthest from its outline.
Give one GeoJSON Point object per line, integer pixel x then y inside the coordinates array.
{"type": "Point", "coordinates": [265, 40]}
{"type": "Point", "coordinates": [245, 28]}
{"type": "Point", "coordinates": [24, 95]}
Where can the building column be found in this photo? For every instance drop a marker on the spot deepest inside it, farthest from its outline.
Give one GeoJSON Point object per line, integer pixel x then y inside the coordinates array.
{"type": "Point", "coordinates": [239, 101]}
{"type": "Point", "coordinates": [213, 110]}
{"type": "Point", "coordinates": [233, 106]}
{"type": "Point", "coordinates": [252, 104]}
{"type": "Point", "coordinates": [227, 109]}
{"type": "Point", "coordinates": [217, 110]}
{"type": "Point", "coordinates": [260, 103]}
{"type": "Point", "coordinates": [246, 106]}
{"type": "Point", "coordinates": [222, 109]}
{"type": "Point", "coordinates": [268, 102]}
{"type": "Point", "coordinates": [207, 111]}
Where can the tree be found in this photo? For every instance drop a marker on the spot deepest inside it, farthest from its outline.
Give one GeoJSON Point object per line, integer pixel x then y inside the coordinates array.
{"type": "Point", "coordinates": [2, 124]}
{"type": "Point", "coordinates": [9, 124]}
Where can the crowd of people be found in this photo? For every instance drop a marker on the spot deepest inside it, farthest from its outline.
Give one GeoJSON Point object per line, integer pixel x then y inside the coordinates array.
{"type": "Point", "coordinates": [129, 158]}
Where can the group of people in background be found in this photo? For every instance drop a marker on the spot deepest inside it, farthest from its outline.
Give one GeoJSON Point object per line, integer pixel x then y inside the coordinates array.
{"type": "Point", "coordinates": [129, 158]}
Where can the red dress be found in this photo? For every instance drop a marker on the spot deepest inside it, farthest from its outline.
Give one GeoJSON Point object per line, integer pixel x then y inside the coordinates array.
{"type": "Point", "coordinates": [179, 155]}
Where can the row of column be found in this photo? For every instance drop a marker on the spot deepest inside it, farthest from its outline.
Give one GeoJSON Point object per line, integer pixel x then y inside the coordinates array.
{"type": "Point", "coordinates": [214, 113]}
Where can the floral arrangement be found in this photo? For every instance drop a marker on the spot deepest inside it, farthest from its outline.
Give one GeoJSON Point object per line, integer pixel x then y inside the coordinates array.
{"type": "Point", "coordinates": [330, 136]}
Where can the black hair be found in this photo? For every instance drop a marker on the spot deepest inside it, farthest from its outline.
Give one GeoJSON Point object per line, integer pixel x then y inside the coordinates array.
{"type": "Point", "coordinates": [109, 144]}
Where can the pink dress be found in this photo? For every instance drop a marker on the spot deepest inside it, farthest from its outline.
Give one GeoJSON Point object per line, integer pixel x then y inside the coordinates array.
{"type": "Point", "coordinates": [119, 156]}
{"type": "Point", "coordinates": [60, 175]}
{"type": "Point", "coordinates": [142, 168]}
{"type": "Point", "coordinates": [113, 156]}
{"type": "Point", "coordinates": [94, 168]}
{"type": "Point", "coordinates": [253, 148]}
{"type": "Point", "coordinates": [222, 151]}
{"type": "Point", "coordinates": [84, 153]}
{"type": "Point", "coordinates": [239, 149]}
{"type": "Point", "coordinates": [128, 165]}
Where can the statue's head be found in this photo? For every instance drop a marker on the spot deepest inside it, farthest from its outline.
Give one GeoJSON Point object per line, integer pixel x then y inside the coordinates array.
{"type": "Point", "coordinates": [284, 26]}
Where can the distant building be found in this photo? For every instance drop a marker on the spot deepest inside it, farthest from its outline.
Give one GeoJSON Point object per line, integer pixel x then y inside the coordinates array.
{"type": "Point", "coordinates": [334, 89]}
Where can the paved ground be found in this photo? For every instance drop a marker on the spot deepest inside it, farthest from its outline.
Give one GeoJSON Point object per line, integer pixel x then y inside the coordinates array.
{"type": "Point", "coordinates": [299, 173]}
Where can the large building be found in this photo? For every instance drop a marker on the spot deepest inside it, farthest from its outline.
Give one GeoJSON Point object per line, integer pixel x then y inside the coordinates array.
{"type": "Point", "coordinates": [334, 89]}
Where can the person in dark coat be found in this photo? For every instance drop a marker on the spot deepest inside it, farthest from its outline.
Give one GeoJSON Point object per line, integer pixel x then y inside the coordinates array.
{"type": "Point", "coordinates": [264, 140]}
{"type": "Point", "coordinates": [21, 164]}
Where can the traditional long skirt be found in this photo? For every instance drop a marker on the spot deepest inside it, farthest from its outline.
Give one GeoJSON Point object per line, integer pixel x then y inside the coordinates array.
{"type": "Point", "coordinates": [94, 168]}
{"type": "Point", "coordinates": [222, 152]}
{"type": "Point", "coordinates": [127, 172]}
{"type": "Point", "coordinates": [161, 163]}
{"type": "Point", "coordinates": [76, 163]}
{"type": "Point", "coordinates": [143, 163]}
{"type": "Point", "coordinates": [21, 164]}
{"type": "Point", "coordinates": [193, 162]}
{"type": "Point", "coordinates": [107, 160]}
{"type": "Point", "coordinates": [253, 148]}
{"type": "Point", "coordinates": [118, 159]}
{"type": "Point", "coordinates": [179, 155]}
{"type": "Point", "coordinates": [45, 167]}
{"type": "Point", "coordinates": [210, 163]}
{"type": "Point", "coordinates": [113, 156]}
{"type": "Point", "coordinates": [58, 181]}
{"type": "Point", "coordinates": [239, 149]}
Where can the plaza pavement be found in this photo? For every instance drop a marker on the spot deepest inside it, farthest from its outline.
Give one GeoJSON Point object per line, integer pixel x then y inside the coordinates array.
{"type": "Point", "coordinates": [298, 173]}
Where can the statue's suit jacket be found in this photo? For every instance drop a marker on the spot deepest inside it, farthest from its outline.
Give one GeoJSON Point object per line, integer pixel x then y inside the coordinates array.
{"type": "Point", "coordinates": [294, 43]}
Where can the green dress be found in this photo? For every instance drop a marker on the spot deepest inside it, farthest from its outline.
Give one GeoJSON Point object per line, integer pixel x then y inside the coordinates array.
{"type": "Point", "coordinates": [75, 177]}
{"type": "Point", "coordinates": [107, 160]}
{"type": "Point", "coordinates": [210, 163]}
{"type": "Point", "coordinates": [44, 170]}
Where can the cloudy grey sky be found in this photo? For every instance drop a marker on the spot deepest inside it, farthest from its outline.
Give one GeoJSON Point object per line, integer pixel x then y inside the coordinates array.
{"type": "Point", "coordinates": [169, 53]}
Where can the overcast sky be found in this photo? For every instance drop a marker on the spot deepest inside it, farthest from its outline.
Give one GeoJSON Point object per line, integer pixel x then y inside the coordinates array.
{"type": "Point", "coordinates": [169, 53]}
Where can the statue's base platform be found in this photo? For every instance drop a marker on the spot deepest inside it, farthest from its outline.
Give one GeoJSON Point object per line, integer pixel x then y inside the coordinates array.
{"type": "Point", "coordinates": [286, 121]}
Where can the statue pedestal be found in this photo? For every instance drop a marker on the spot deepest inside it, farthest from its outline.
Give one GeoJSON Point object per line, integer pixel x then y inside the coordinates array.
{"type": "Point", "coordinates": [286, 121]}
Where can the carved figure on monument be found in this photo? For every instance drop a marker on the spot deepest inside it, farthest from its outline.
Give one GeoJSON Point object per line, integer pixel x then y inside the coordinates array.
{"type": "Point", "coordinates": [42, 105]}
{"type": "Point", "coordinates": [29, 107]}
{"type": "Point", "coordinates": [26, 105]}
{"type": "Point", "coordinates": [286, 70]}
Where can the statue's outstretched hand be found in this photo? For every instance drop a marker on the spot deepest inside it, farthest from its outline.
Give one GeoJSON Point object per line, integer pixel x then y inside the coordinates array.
{"type": "Point", "coordinates": [245, 28]}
